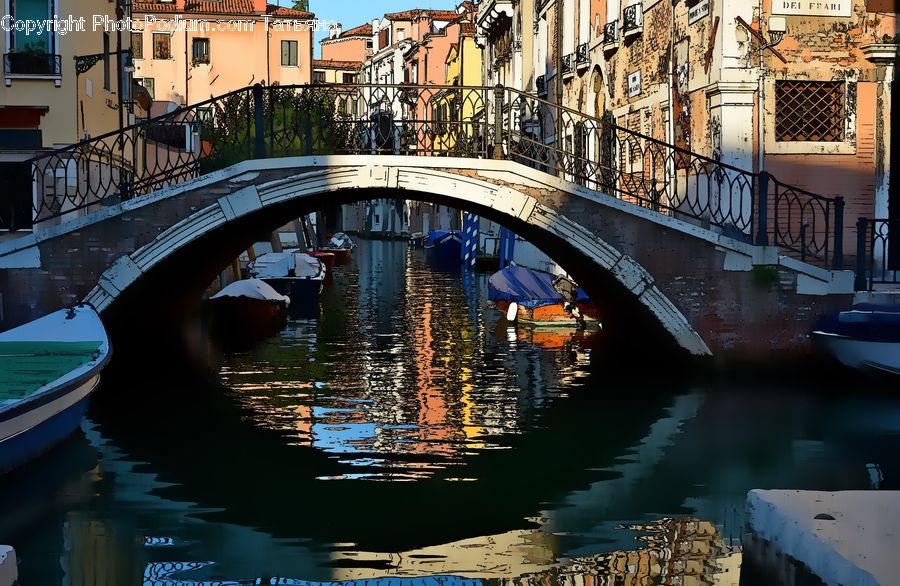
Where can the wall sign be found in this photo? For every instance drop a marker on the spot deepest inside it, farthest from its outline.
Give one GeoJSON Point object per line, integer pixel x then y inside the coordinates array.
{"type": "Point", "coordinates": [634, 84]}
{"type": "Point", "coordinates": [700, 10]}
{"type": "Point", "coordinates": [834, 8]}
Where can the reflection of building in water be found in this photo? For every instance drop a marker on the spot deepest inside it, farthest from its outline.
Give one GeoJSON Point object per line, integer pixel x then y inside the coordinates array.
{"type": "Point", "coordinates": [687, 552]}
{"type": "Point", "coordinates": [98, 552]}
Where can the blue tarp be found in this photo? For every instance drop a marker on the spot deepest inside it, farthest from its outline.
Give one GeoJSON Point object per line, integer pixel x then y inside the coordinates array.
{"type": "Point", "coordinates": [526, 287]}
{"type": "Point", "coordinates": [864, 321]}
{"type": "Point", "coordinates": [439, 236]}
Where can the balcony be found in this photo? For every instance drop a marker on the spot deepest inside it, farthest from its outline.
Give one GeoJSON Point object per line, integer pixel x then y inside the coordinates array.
{"type": "Point", "coordinates": [611, 36]}
{"type": "Point", "coordinates": [582, 56]}
{"type": "Point", "coordinates": [633, 23]}
{"type": "Point", "coordinates": [541, 86]}
{"type": "Point", "coordinates": [568, 64]}
{"type": "Point", "coordinates": [28, 64]}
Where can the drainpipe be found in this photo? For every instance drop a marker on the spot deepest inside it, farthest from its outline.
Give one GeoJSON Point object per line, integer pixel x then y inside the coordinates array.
{"type": "Point", "coordinates": [187, 69]}
{"type": "Point", "coordinates": [559, 76]}
{"type": "Point", "coordinates": [120, 71]}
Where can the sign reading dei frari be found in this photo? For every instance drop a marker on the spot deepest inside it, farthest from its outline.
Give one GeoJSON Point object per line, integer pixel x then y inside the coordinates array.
{"type": "Point", "coordinates": [839, 8]}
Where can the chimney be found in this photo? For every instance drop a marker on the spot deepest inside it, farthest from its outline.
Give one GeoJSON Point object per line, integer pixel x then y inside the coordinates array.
{"type": "Point", "coordinates": [339, 29]}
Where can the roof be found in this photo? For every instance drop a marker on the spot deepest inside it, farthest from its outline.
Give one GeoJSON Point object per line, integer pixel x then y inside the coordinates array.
{"type": "Point", "coordinates": [363, 30]}
{"type": "Point", "coordinates": [220, 7]}
{"type": "Point", "coordinates": [423, 13]}
{"type": "Point", "coordinates": [334, 64]}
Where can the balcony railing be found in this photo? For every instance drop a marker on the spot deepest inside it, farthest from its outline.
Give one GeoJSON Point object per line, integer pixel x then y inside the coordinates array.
{"type": "Point", "coordinates": [581, 55]}
{"type": "Point", "coordinates": [611, 35]}
{"type": "Point", "coordinates": [32, 64]}
{"type": "Point", "coordinates": [568, 63]}
{"type": "Point", "coordinates": [541, 85]}
{"type": "Point", "coordinates": [633, 23]}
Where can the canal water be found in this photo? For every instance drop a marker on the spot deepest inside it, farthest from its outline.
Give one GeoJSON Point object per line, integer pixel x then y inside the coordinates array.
{"type": "Point", "coordinates": [407, 432]}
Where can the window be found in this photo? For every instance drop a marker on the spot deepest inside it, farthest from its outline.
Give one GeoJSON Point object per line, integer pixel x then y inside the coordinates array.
{"type": "Point", "coordinates": [162, 46]}
{"type": "Point", "coordinates": [809, 111]}
{"type": "Point", "coordinates": [149, 84]}
{"type": "Point", "coordinates": [200, 51]}
{"type": "Point", "coordinates": [369, 44]}
{"type": "Point", "coordinates": [318, 77]}
{"type": "Point", "coordinates": [384, 38]}
{"type": "Point", "coordinates": [137, 45]}
{"type": "Point", "coordinates": [349, 78]}
{"type": "Point", "coordinates": [32, 42]}
{"type": "Point", "coordinates": [289, 53]}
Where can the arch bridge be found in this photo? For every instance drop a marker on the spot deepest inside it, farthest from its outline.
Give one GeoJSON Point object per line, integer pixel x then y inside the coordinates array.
{"type": "Point", "coordinates": [675, 247]}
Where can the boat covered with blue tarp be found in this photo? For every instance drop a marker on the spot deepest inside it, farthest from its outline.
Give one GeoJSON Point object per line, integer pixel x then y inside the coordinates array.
{"type": "Point", "coordinates": [527, 287]}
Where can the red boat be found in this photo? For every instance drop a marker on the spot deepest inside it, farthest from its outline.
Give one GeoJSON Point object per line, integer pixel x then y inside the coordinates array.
{"type": "Point", "coordinates": [326, 258]}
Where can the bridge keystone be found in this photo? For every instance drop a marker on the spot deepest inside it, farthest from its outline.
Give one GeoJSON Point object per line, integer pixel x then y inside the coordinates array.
{"type": "Point", "coordinates": [240, 202]}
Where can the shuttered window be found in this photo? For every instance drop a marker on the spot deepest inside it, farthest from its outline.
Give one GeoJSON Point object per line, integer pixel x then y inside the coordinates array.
{"type": "Point", "coordinates": [289, 53]}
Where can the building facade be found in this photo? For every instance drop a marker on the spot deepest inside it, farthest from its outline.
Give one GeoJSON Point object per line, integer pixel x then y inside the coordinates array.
{"type": "Point", "coordinates": [185, 52]}
{"type": "Point", "coordinates": [59, 87]}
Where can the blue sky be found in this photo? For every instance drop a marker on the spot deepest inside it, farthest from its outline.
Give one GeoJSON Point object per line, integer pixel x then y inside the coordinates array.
{"type": "Point", "coordinates": [351, 13]}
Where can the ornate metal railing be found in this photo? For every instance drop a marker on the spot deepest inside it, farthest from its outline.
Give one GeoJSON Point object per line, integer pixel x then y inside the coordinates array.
{"type": "Point", "coordinates": [582, 54]}
{"type": "Point", "coordinates": [568, 63]}
{"type": "Point", "coordinates": [877, 259]}
{"type": "Point", "coordinates": [633, 18]}
{"type": "Point", "coordinates": [611, 34]}
{"type": "Point", "coordinates": [481, 122]}
{"type": "Point", "coordinates": [540, 85]}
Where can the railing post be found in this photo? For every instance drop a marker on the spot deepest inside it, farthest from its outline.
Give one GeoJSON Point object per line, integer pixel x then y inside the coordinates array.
{"type": "Point", "coordinates": [259, 122]}
{"type": "Point", "coordinates": [860, 283]}
{"type": "Point", "coordinates": [762, 209]}
{"type": "Point", "coordinates": [498, 121]}
{"type": "Point", "coordinates": [838, 263]}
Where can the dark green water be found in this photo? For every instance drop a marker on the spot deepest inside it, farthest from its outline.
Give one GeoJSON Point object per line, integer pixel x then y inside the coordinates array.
{"type": "Point", "coordinates": [407, 432]}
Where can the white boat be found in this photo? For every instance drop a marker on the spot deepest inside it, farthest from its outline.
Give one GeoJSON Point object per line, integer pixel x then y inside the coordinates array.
{"type": "Point", "coordinates": [867, 337]}
{"type": "Point", "coordinates": [292, 273]}
{"type": "Point", "coordinates": [48, 369]}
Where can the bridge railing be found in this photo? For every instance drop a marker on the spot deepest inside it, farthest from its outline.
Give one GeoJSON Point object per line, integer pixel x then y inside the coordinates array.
{"type": "Point", "coordinates": [877, 259]}
{"type": "Point", "coordinates": [453, 121]}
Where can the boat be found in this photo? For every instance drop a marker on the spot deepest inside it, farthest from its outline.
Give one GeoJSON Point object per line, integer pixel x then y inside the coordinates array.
{"type": "Point", "coordinates": [865, 337]}
{"type": "Point", "coordinates": [326, 258]}
{"type": "Point", "coordinates": [444, 246]}
{"type": "Point", "coordinates": [340, 245]}
{"type": "Point", "coordinates": [48, 369]}
{"type": "Point", "coordinates": [292, 273]}
{"type": "Point", "coordinates": [246, 312]}
{"type": "Point", "coordinates": [539, 298]}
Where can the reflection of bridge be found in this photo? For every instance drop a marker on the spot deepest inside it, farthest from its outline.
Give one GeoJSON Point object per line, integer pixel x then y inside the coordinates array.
{"type": "Point", "coordinates": [671, 239]}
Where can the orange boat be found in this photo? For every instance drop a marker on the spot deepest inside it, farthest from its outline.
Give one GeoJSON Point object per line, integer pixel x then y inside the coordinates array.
{"type": "Point", "coordinates": [541, 299]}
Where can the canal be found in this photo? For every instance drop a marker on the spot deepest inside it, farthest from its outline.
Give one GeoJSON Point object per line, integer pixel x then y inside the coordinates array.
{"type": "Point", "coordinates": [405, 432]}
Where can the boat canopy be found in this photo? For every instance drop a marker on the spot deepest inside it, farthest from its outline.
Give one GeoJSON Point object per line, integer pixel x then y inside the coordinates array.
{"type": "Point", "coordinates": [341, 240]}
{"type": "Point", "coordinates": [864, 321]}
{"type": "Point", "coordinates": [308, 267]}
{"type": "Point", "coordinates": [272, 265]}
{"type": "Point", "coordinates": [439, 236]}
{"type": "Point", "coordinates": [527, 287]}
{"type": "Point", "coordinates": [252, 289]}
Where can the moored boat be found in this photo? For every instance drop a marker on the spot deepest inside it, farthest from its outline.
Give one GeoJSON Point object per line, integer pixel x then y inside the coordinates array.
{"type": "Point", "coordinates": [866, 337]}
{"type": "Point", "coordinates": [541, 299]}
{"type": "Point", "coordinates": [247, 311]}
{"type": "Point", "coordinates": [326, 258]}
{"type": "Point", "coordinates": [48, 369]}
{"type": "Point", "coordinates": [340, 245]}
{"type": "Point", "coordinates": [444, 246]}
{"type": "Point", "coordinates": [292, 273]}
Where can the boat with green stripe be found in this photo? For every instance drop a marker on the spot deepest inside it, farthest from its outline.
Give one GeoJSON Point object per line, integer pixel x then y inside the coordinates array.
{"type": "Point", "coordinates": [48, 369]}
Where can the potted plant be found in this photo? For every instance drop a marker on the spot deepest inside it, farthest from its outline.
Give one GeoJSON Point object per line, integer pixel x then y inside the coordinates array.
{"type": "Point", "coordinates": [32, 60]}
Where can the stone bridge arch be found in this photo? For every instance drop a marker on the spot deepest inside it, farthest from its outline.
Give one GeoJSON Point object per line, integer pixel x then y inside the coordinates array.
{"type": "Point", "coordinates": [668, 282]}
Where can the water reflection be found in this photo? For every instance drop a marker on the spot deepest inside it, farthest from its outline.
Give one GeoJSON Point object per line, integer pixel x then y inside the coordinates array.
{"type": "Point", "coordinates": [516, 464]}
{"type": "Point", "coordinates": [417, 378]}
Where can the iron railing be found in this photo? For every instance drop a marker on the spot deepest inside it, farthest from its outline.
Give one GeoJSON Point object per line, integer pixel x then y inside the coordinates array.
{"type": "Point", "coordinates": [582, 54]}
{"type": "Point", "coordinates": [611, 34]}
{"type": "Point", "coordinates": [568, 63]}
{"type": "Point", "coordinates": [633, 18]}
{"type": "Point", "coordinates": [29, 63]}
{"type": "Point", "coordinates": [481, 122]}
{"type": "Point", "coordinates": [540, 85]}
{"type": "Point", "coordinates": [877, 259]}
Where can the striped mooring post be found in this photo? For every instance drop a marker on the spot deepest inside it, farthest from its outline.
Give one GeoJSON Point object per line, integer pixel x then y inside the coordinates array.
{"type": "Point", "coordinates": [470, 240]}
